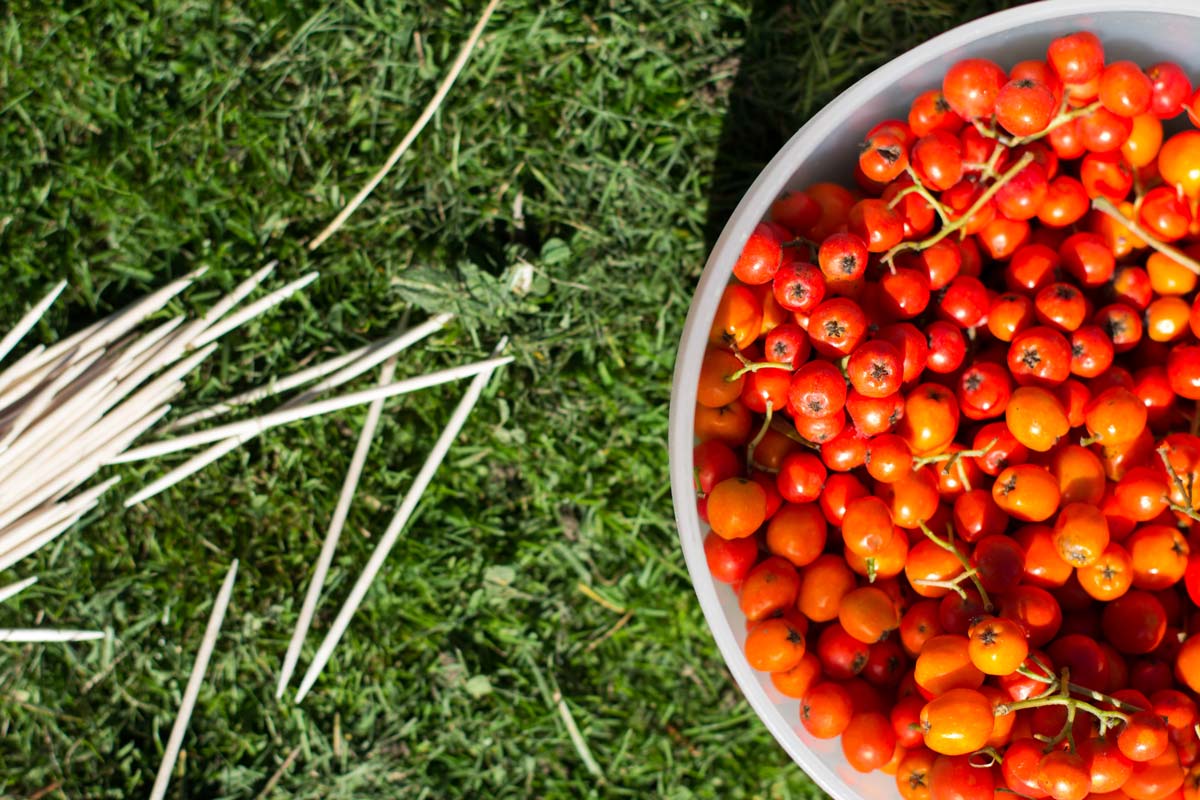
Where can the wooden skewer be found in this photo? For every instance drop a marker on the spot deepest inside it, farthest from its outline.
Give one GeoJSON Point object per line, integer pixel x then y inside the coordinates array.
{"type": "Point", "coordinates": [253, 310]}
{"type": "Point", "coordinates": [346, 367]}
{"type": "Point", "coordinates": [272, 388]}
{"type": "Point", "coordinates": [68, 409]}
{"type": "Point", "coordinates": [38, 520]}
{"type": "Point", "coordinates": [39, 635]}
{"type": "Point", "coordinates": [119, 323]}
{"type": "Point", "coordinates": [26, 323]}
{"type": "Point", "coordinates": [325, 559]}
{"type": "Point", "coordinates": [13, 589]}
{"type": "Point", "coordinates": [186, 469]}
{"type": "Point", "coordinates": [409, 504]}
{"type": "Point", "coordinates": [195, 680]}
{"type": "Point", "coordinates": [373, 357]}
{"type": "Point", "coordinates": [239, 293]}
{"type": "Point", "coordinates": [264, 423]}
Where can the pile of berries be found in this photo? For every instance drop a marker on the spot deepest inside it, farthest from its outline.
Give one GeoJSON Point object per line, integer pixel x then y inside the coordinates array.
{"type": "Point", "coordinates": [947, 438]}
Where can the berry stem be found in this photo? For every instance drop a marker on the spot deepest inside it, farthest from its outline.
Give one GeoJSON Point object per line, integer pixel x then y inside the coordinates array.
{"type": "Point", "coordinates": [762, 431]}
{"type": "Point", "coordinates": [991, 753]}
{"type": "Point", "coordinates": [755, 367]}
{"type": "Point", "coordinates": [959, 223]}
{"type": "Point", "coordinates": [1061, 119]}
{"type": "Point", "coordinates": [1186, 491]}
{"type": "Point", "coordinates": [1106, 206]}
{"type": "Point", "coordinates": [920, 189]}
{"type": "Point", "coordinates": [954, 584]}
{"type": "Point", "coordinates": [953, 458]}
{"type": "Point", "coordinates": [1107, 718]}
{"type": "Point", "coordinates": [948, 545]}
{"type": "Point", "coordinates": [962, 475]}
{"type": "Point", "coordinates": [1059, 688]}
{"type": "Point", "coordinates": [900, 195]}
{"type": "Point", "coordinates": [781, 427]}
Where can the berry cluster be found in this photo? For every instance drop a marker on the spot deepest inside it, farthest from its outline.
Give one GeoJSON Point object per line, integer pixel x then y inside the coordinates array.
{"type": "Point", "coordinates": [948, 445]}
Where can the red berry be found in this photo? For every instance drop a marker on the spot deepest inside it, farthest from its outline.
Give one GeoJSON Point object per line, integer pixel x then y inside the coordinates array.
{"type": "Point", "coordinates": [1025, 107]}
{"type": "Point", "coordinates": [875, 369]}
{"type": "Point", "coordinates": [1077, 57]}
{"type": "Point", "coordinates": [799, 286]}
{"type": "Point", "coordinates": [1124, 89]}
{"type": "Point", "coordinates": [817, 390]}
{"type": "Point", "coordinates": [843, 257]}
{"type": "Point", "coordinates": [1171, 89]}
{"type": "Point", "coordinates": [971, 87]}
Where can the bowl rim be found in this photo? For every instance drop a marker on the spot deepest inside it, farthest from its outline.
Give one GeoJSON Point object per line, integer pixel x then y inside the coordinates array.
{"type": "Point", "coordinates": [718, 268]}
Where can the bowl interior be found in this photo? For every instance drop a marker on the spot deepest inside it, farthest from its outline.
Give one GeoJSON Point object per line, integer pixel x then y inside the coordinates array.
{"type": "Point", "coordinates": [824, 149]}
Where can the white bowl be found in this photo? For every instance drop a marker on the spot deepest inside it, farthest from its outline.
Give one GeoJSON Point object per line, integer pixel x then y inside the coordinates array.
{"type": "Point", "coordinates": [824, 149]}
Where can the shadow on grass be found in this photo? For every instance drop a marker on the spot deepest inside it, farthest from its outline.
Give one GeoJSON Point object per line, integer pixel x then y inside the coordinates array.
{"type": "Point", "coordinates": [796, 58]}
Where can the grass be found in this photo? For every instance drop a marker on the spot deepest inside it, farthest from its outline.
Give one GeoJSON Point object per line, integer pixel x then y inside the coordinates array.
{"type": "Point", "coordinates": [591, 147]}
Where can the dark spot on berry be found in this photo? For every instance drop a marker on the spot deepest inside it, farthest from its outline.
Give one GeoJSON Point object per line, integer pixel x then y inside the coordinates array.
{"type": "Point", "coordinates": [848, 263]}
{"type": "Point", "coordinates": [794, 636]}
{"type": "Point", "coordinates": [781, 352]}
{"type": "Point", "coordinates": [940, 105]}
{"type": "Point", "coordinates": [1114, 327]}
{"type": "Point", "coordinates": [1031, 358]}
{"type": "Point", "coordinates": [1077, 351]}
{"type": "Point", "coordinates": [973, 381]}
{"type": "Point", "coordinates": [798, 292]}
{"type": "Point", "coordinates": [1009, 485]}
{"type": "Point", "coordinates": [817, 407]}
{"type": "Point", "coordinates": [890, 154]}
{"type": "Point", "coordinates": [1026, 83]}
{"type": "Point", "coordinates": [834, 329]}
{"type": "Point", "coordinates": [896, 416]}
{"type": "Point", "coordinates": [1064, 292]}
{"type": "Point", "coordinates": [880, 371]}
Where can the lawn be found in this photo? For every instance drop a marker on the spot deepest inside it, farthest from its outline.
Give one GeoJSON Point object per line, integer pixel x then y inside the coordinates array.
{"type": "Point", "coordinates": [594, 147]}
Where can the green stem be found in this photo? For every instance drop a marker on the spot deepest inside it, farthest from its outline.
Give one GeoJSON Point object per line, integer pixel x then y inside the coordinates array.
{"type": "Point", "coordinates": [900, 195]}
{"type": "Point", "coordinates": [762, 431]}
{"type": "Point", "coordinates": [920, 189]}
{"type": "Point", "coordinates": [952, 458]}
{"type": "Point", "coordinates": [781, 427]}
{"type": "Point", "coordinates": [1062, 119]}
{"type": "Point", "coordinates": [962, 475]}
{"type": "Point", "coordinates": [1058, 693]}
{"type": "Point", "coordinates": [951, 585]}
{"type": "Point", "coordinates": [1184, 491]}
{"type": "Point", "coordinates": [1059, 700]}
{"type": "Point", "coordinates": [1106, 206]}
{"type": "Point", "coordinates": [948, 545]}
{"type": "Point", "coordinates": [959, 223]}
{"type": "Point", "coordinates": [746, 368]}
{"type": "Point", "coordinates": [992, 753]}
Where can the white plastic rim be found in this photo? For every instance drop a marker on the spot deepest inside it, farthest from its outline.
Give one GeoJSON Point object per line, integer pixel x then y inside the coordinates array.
{"type": "Point", "coordinates": [823, 150]}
